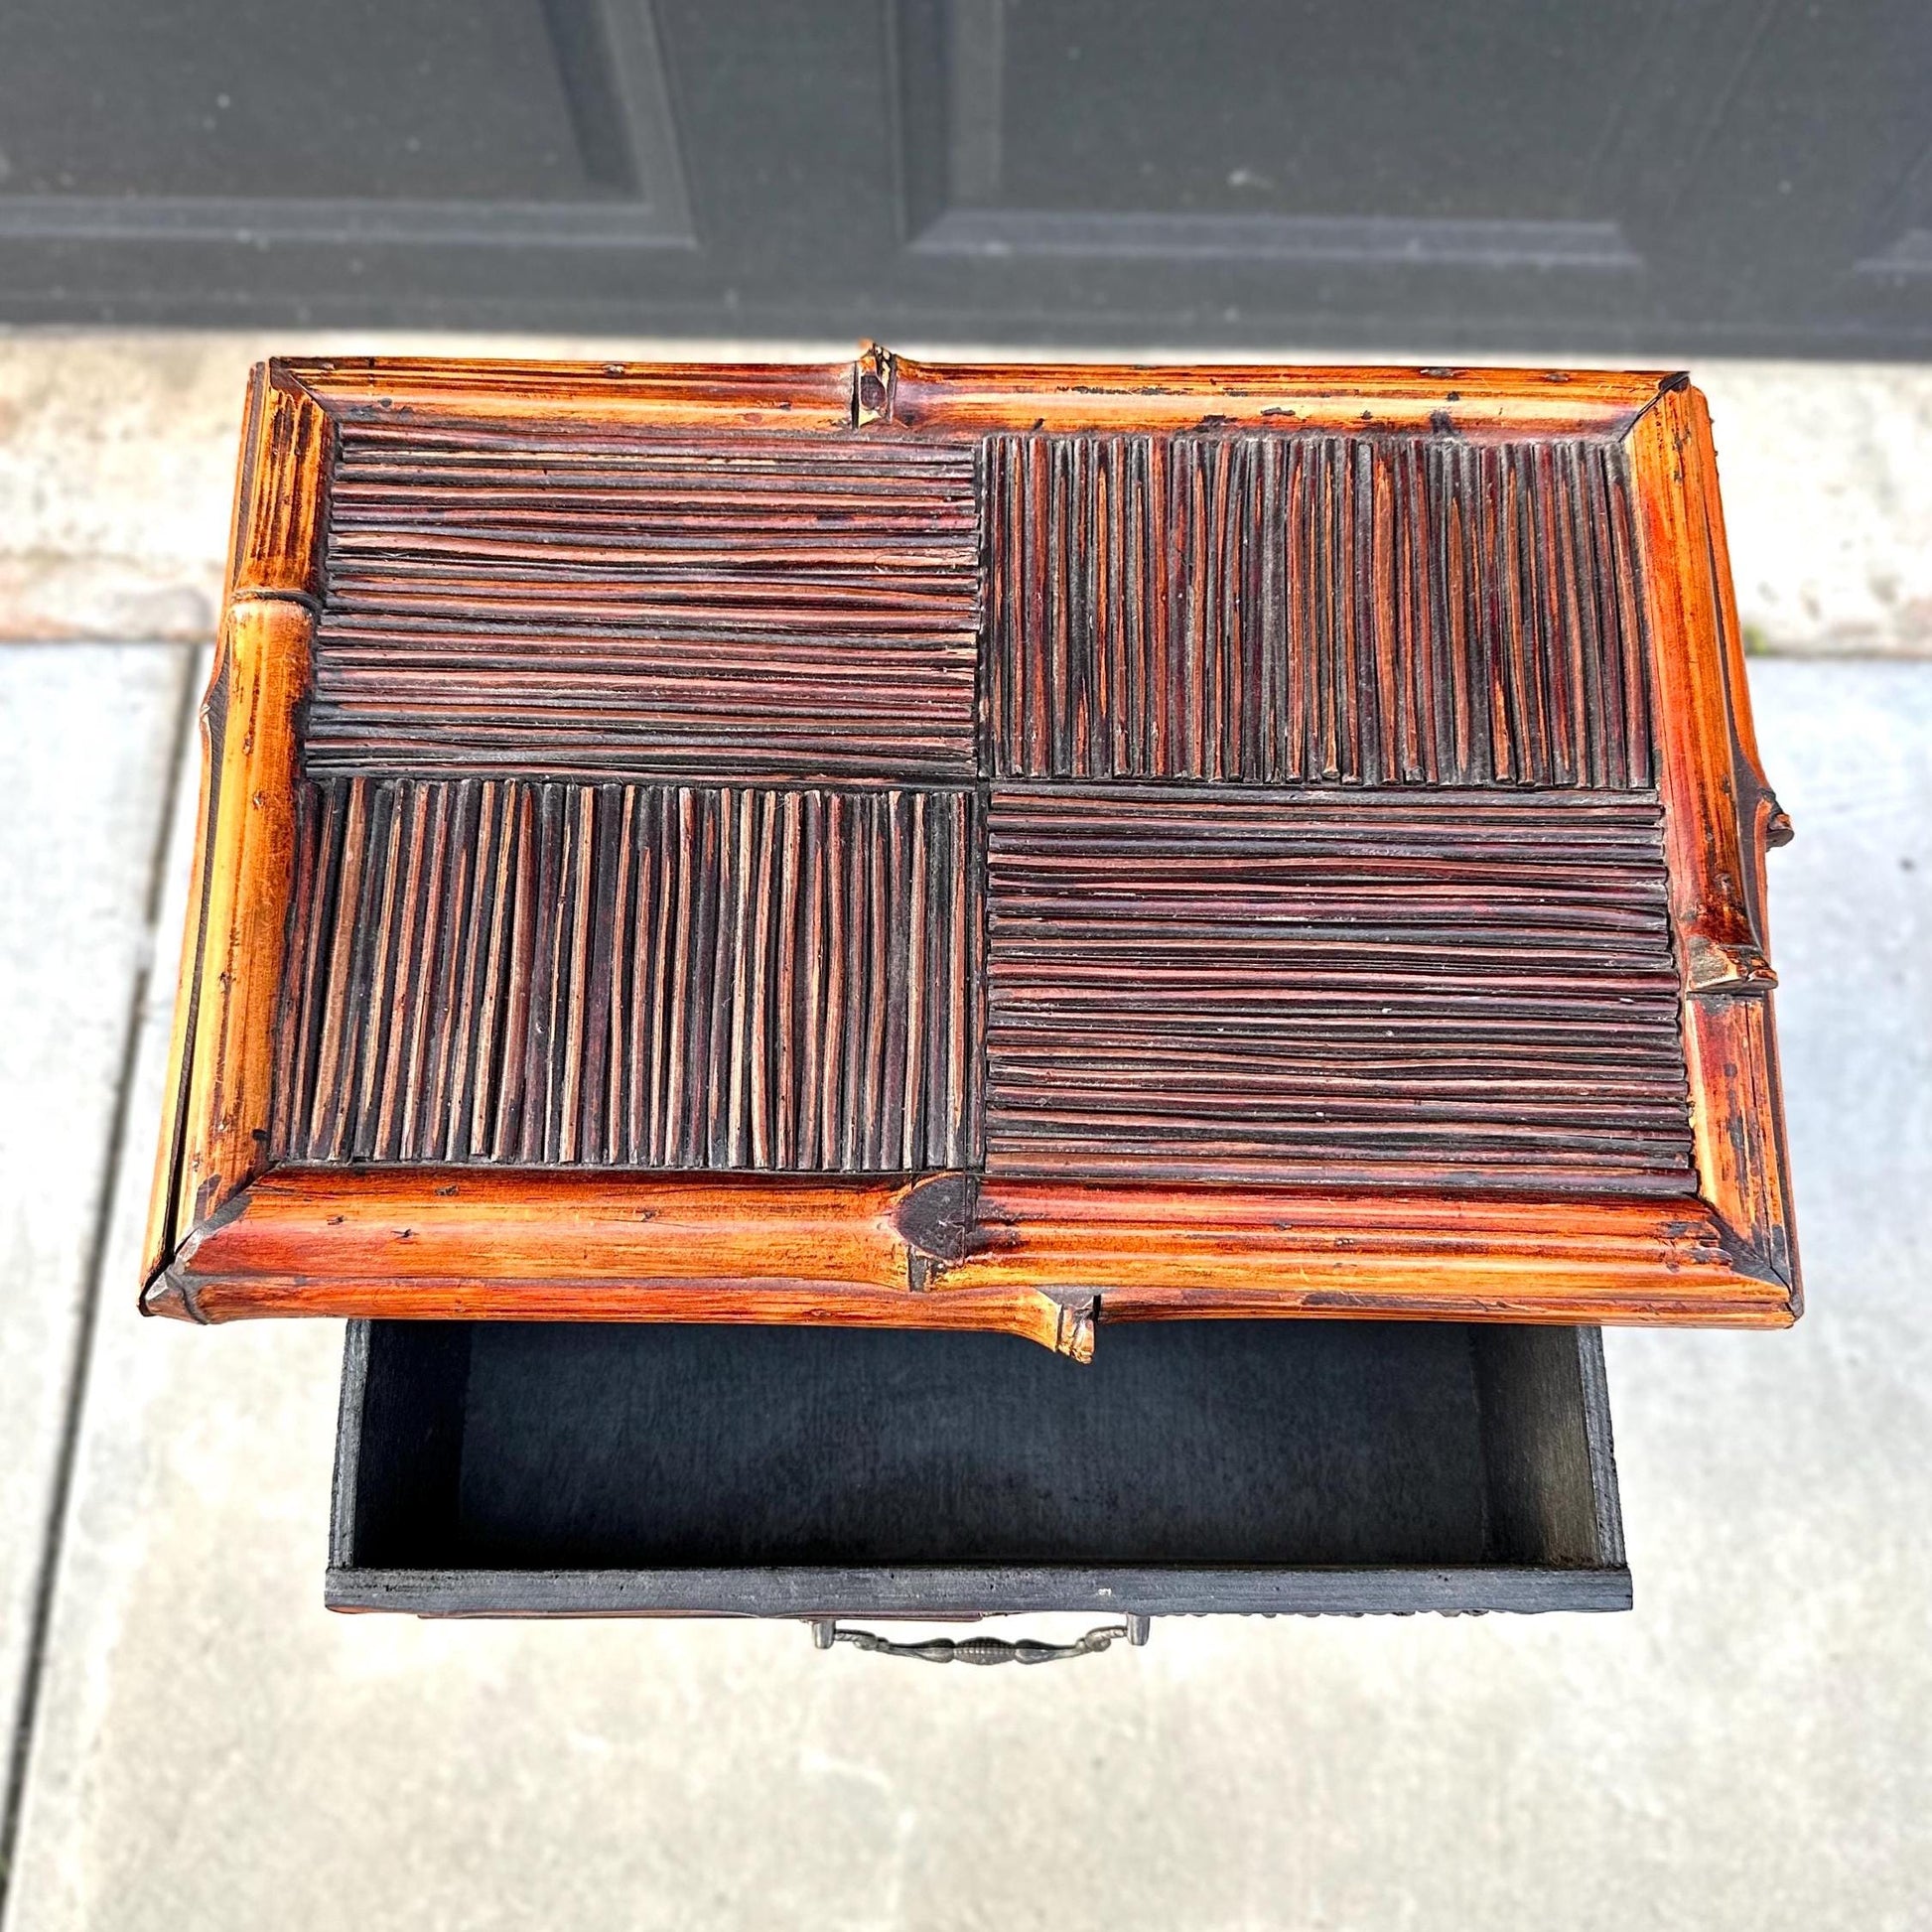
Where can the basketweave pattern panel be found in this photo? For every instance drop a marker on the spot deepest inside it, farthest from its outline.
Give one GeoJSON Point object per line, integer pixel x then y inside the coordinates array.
{"type": "Point", "coordinates": [1382, 611]}
{"type": "Point", "coordinates": [1444, 990]}
{"type": "Point", "coordinates": [584, 605]}
{"type": "Point", "coordinates": [631, 975]}
{"type": "Point", "coordinates": [1226, 807]}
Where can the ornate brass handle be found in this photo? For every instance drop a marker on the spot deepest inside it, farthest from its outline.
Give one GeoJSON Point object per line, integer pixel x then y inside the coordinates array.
{"type": "Point", "coordinates": [826, 1631]}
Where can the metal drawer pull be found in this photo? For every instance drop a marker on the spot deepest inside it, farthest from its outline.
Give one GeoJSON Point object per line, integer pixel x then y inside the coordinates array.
{"type": "Point", "coordinates": [826, 1631]}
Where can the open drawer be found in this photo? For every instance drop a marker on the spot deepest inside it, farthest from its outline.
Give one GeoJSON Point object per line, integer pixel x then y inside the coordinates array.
{"type": "Point", "coordinates": [551, 1468]}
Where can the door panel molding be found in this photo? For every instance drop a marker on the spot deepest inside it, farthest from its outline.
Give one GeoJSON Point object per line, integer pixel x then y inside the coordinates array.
{"type": "Point", "coordinates": [948, 74]}
{"type": "Point", "coordinates": [1367, 239]}
{"type": "Point", "coordinates": [612, 73]}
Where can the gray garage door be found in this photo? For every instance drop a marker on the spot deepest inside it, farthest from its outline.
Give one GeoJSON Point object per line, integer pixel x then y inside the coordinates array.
{"type": "Point", "coordinates": [1624, 175]}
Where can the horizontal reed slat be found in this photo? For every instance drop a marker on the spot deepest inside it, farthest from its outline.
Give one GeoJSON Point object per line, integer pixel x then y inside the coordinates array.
{"type": "Point", "coordinates": [780, 608]}
{"type": "Point", "coordinates": [1331, 988]}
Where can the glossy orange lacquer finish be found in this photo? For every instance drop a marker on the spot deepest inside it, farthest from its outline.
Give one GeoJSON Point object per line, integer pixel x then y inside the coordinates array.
{"type": "Point", "coordinates": [240, 1229]}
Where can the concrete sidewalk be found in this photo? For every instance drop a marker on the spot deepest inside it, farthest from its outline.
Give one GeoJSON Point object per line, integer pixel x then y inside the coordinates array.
{"type": "Point", "coordinates": [195, 1742]}
{"type": "Point", "coordinates": [1751, 1748]}
{"type": "Point", "coordinates": [117, 469]}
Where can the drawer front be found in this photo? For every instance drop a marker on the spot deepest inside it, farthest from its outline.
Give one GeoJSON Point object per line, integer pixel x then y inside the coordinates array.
{"type": "Point", "coordinates": [535, 1469]}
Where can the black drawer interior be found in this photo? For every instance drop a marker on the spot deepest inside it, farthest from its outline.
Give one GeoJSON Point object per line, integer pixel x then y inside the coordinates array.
{"type": "Point", "coordinates": [531, 1468]}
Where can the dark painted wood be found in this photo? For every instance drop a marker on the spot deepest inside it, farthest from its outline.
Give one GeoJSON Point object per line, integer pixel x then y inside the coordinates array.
{"type": "Point", "coordinates": [960, 1592]}
{"type": "Point", "coordinates": [563, 1471]}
